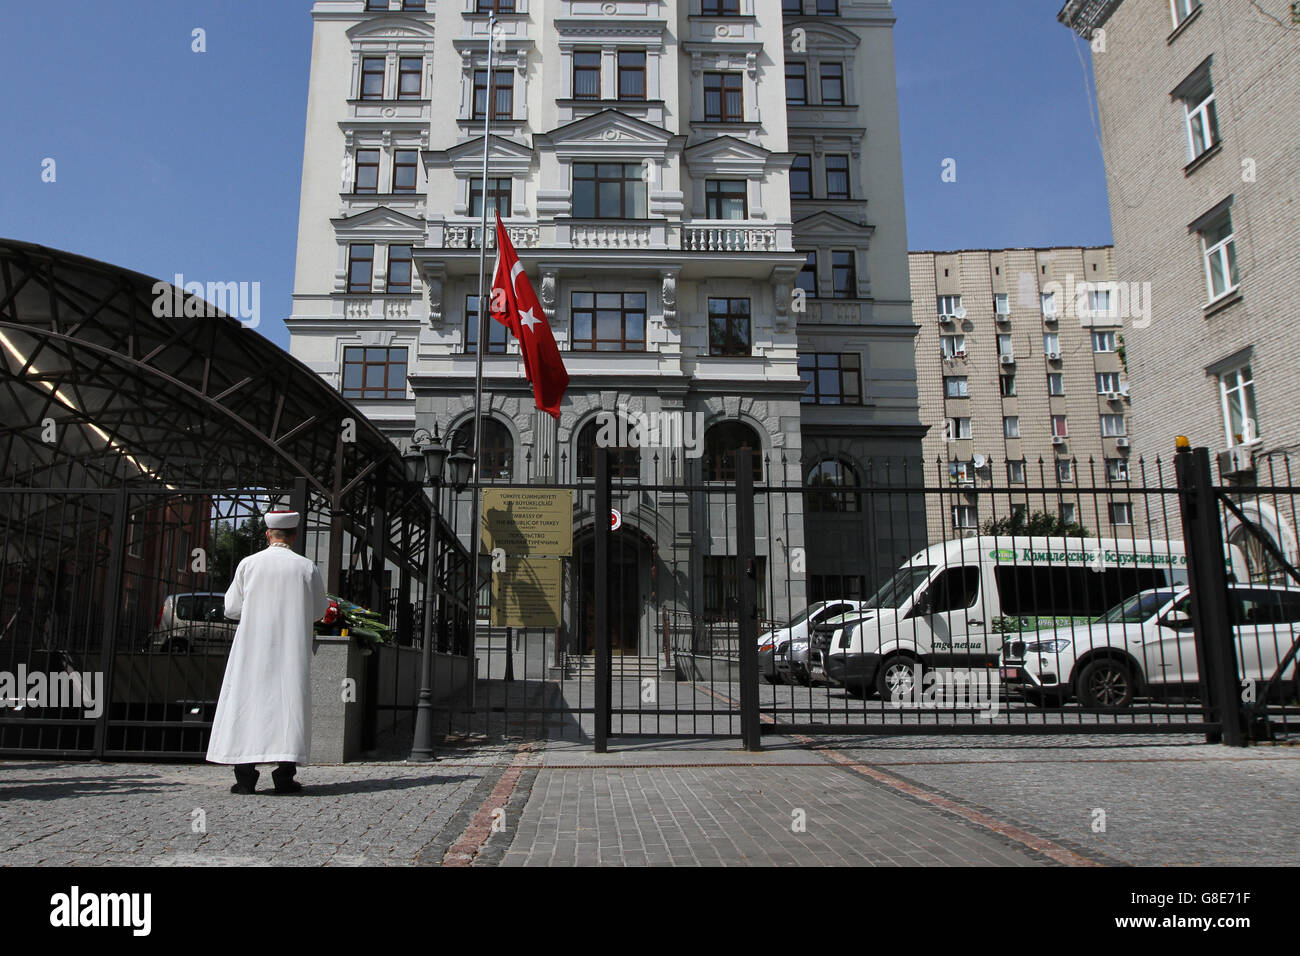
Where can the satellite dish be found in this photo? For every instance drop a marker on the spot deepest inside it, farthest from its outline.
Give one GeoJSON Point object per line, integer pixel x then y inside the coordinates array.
{"type": "Point", "coordinates": [960, 312]}
{"type": "Point", "coordinates": [980, 461]}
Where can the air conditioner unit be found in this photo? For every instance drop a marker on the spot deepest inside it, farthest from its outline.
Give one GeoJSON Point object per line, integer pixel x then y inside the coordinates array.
{"type": "Point", "coordinates": [1236, 461]}
{"type": "Point", "coordinates": [965, 483]}
{"type": "Point", "coordinates": [1007, 359]}
{"type": "Point", "coordinates": [945, 320]}
{"type": "Point", "coordinates": [1058, 439]}
{"type": "Point", "coordinates": [1002, 318]}
{"type": "Point", "coordinates": [1049, 318]}
{"type": "Point", "coordinates": [1053, 356]}
{"type": "Point", "coordinates": [1113, 396]}
{"type": "Point", "coordinates": [1121, 442]}
{"type": "Point", "coordinates": [960, 355]}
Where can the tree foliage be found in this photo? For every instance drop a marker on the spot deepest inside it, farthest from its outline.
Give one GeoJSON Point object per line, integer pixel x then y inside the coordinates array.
{"type": "Point", "coordinates": [1040, 523]}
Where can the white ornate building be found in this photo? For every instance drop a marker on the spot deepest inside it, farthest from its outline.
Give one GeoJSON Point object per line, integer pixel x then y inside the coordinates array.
{"type": "Point", "coordinates": [670, 173]}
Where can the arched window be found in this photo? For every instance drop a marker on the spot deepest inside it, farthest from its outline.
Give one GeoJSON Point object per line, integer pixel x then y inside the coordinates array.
{"type": "Point", "coordinates": [497, 452]}
{"type": "Point", "coordinates": [721, 442]}
{"type": "Point", "coordinates": [831, 473]}
{"type": "Point", "coordinates": [623, 462]}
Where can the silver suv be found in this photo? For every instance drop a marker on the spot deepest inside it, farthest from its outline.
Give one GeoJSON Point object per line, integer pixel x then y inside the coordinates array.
{"type": "Point", "coordinates": [195, 621]}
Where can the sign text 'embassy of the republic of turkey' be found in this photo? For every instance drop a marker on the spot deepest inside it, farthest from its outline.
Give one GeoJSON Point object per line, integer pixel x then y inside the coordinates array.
{"type": "Point", "coordinates": [528, 521]}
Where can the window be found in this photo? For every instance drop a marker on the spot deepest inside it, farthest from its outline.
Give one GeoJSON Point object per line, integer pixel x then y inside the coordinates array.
{"type": "Point", "coordinates": [499, 191]}
{"type": "Point", "coordinates": [1007, 383]}
{"type": "Point", "coordinates": [956, 386]}
{"type": "Point", "coordinates": [1060, 427]}
{"type": "Point", "coordinates": [413, 4]}
{"type": "Point", "coordinates": [1049, 303]}
{"type": "Point", "coordinates": [496, 331]}
{"type": "Point", "coordinates": [948, 305]}
{"type": "Point", "coordinates": [586, 74]}
{"type": "Point", "coordinates": [1107, 382]}
{"type": "Point", "coordinates": [361, 264]}
{"type": "Point", "coordinates": [374, 372]}
{"type": "Point", "coordinates": [1051, 343]}
{"type": "Point", "coordinates": [1011, 426]}
{"type": "Point", "coordinates": [1103, 341]}
{"type": "Point", "coordinates": [844, 273]}
{"type": "Point", "coordinates": [830, 587]}
{"type": "Point", "coordinates": [405, 165]}
{"type": "Point", "coordinates": [1064, 470]}
{"type": "Point", "coordinates": [955, 589]}
{"type": "Point", "coordinates": [631, 74]}
{"type": "Point", "coordinates": [828, 8]}
{"type": "Point", "coordinates": [1004, 345]}
{"type": "Point", "coordinates": [1180, 10]}
{"type": "Point", "coordinates": [399, 269]}
{"type": "Point", "coordinates": [1001, 303]}
{"type": "Point", "coordinates": [958, 429]}
{"type": "Point", "coordinates": [729, 327]}
{"type": "Point", "coordinates": [1060, 590]}
{"type": "Point", "coordinates": [837, 177]}
{"type": "Point", "coordinates": [832, 84]}
{"type": "Point", "coordinates": [952, 346]}
{"type": "Point", "coordinates": [1116, 469]}
{"type": "Point", "coordinates": [796, 84]}
{"type": "Point", "coordinates": [722, 586]}
{"type": "Point", "coordinates": [807, 277]}
{"type": "Point", "coordinates": [623, 462]}
{"type": "Point", "coordinates": [372, 78]}
{"type": "Point", "coordinates": [376, 4]}
{"type": "Point", "coordinates": [1237, 392]}
{"type": "Point", "coordinates": [1069, 512]}
{"type": "Point", "coordinates": [1016, 472]}
{"type": "Point", "coordinates": [1098, 302]}
{"type": "Point", "coordinates": [831, 378]}
{"type": "Point", "coordinates": [801, 177]}
{"type": "Point", "coordinates": [959, 471]}
{"type": "Point", "coordinates": [1121, 513]}
{"type": "Point", "coordinates": [1220, 245]}
{"type": "Point", "coordinates": [496, 451]}
{"type": "Point", "coordinates": [723, 101]}
{"type": "Point", "coordinates": [965, 517]}
{"type": "Point", "coordinates": [1055, 383]}
{"type": "Point", "coordinates": [410, 74]}
{"type": "Point", "coordinates": [504, 6]}
{"type": "Point", "coordinates": [503, 90]}
{"type": "Point", "coordinates": [608, 321]}
{"type": "Point", "coordinates": [726, 199]}
{"type": "Point", "coordinates": [720, 8]}
{"type": "Point", "coordinates": [721, 442]}
{"type": "Point", "coordinates": [792, 7]}
{"type": "Point", "coordinates": [366, 181]}
{"type": "Point", "coordinates": [832, 474]}
{"type": "Point", "coordinates": [608, 191]}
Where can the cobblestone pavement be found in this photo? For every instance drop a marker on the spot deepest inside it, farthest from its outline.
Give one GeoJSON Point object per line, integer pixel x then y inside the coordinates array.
{"type": "Point", "coordinates": [1017, 801]}
{"type": "Point", "coordinates": [79, 814]}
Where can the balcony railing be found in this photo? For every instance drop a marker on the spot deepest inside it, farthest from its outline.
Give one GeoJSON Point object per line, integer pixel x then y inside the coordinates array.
{"type": "Point", "coordinates": [728, 238]}
{"type": "Point", "coordinates": [465, 236]}
{"type": "Point", "coordinates": [568, 233]}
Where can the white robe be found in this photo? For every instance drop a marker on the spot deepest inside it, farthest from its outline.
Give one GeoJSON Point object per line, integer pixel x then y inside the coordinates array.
{"type": "Point", "coordinates": [264, 711]}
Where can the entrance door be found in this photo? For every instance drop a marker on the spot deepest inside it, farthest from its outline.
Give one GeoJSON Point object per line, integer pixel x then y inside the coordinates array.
{"type": "Point", "coordinates": [624, 569]}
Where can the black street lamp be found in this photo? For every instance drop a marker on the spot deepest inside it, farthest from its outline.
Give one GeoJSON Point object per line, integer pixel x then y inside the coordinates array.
{"type": "Point", "coordinates": [424, 462]}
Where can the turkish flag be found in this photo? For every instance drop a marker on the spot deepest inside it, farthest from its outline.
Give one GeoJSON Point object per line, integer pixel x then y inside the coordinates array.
{"type": "Point", "coordinates": [515, 305]}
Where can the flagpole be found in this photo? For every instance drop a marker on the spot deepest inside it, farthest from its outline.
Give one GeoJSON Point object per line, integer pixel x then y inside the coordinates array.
{"type": "Point", "coordinates": [489, 106]}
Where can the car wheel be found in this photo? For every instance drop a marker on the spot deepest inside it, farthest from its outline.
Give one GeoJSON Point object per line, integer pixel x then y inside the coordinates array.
{"type": "Point", "coordinates": [899, 673]}
{"type": "Point", "coordinates": [1105, 684]}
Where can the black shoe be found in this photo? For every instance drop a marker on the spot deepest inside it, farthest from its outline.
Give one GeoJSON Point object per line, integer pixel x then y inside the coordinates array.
{"type": "Point", "coordinates": [242, 788]}
{"type": "Point", "coordinates": [245, 778]}
{"type": "Point", "coordinates": [292, 786]}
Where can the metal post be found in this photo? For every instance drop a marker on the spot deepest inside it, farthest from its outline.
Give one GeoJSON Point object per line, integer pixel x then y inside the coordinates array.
{"type": "Point", "coordinates": [298, 503]}
{"type": "Point", "coordinates": [750, 733]}
{"type": "Point", "coordinates": [604, 718]}
{"type": "Point", "coordinates": [113, 609]}
{"type": "Point", "coordinates": [1216, 653]}
{"type": "Point", "coordinates": [422, 745]}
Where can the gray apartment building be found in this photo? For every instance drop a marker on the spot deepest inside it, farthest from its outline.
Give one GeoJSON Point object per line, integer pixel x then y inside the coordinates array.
{"type": "Point", "coordinates": [1198, 103]}
{"type": "Point", "coordinates": [1021, 370]}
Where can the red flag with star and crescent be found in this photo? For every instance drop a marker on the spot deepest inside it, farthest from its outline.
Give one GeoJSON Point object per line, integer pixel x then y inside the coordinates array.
{"type": "Point", "coordinates": [515, 305]}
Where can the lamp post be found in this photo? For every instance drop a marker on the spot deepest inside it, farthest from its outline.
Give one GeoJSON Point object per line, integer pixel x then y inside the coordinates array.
{"type": "Point", "coordinates": [425, 461]}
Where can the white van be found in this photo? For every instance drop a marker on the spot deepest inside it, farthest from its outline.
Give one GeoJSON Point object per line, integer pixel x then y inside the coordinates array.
{"type": "Point", "coordinates": [953, 604]}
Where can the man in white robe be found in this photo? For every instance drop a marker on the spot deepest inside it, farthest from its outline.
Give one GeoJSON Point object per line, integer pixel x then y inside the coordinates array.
{"type": "Point", "coordinates": [264, 711]}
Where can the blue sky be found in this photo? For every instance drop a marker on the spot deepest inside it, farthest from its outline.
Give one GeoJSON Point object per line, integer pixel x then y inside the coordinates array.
{"type": "Point", "coordinates": [173, 161]}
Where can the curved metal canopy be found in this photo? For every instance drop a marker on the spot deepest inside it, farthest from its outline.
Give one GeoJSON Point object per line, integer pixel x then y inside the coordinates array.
{"type": "Point", "coordinates": [96, 390]}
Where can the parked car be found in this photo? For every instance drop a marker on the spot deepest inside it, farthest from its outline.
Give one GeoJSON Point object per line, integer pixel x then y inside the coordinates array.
{"type": "Point", "coordinates": [194, 621]}
{"type": "Point", "coordinates": [954, 603]}
{"type": "Point", "coordinates": [1145, 646]}
{"type": "Point", "coordinates": [783, 651]}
